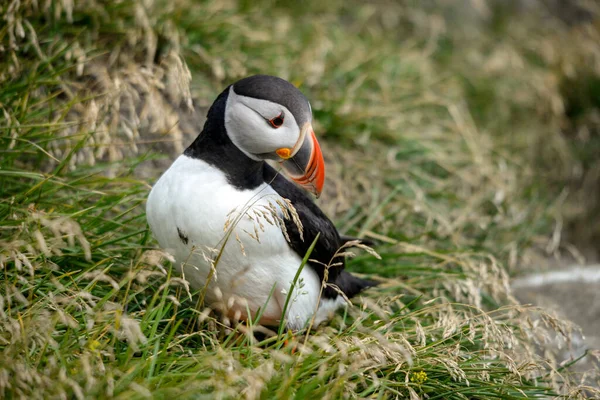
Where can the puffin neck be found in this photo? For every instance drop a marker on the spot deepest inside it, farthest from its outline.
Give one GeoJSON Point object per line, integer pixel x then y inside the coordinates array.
{"type": "Point", "coordinates": [214, 146]}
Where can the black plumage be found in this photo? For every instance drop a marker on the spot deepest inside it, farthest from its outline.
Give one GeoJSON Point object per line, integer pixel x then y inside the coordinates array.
{"type": "Point", "coordinates": [214, 146]}
{"type": "Point", "coordinates": [314, 221]}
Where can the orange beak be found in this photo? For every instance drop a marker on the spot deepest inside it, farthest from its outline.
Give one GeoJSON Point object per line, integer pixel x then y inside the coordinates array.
{"type": "Point", "coordinates": [307, 167]}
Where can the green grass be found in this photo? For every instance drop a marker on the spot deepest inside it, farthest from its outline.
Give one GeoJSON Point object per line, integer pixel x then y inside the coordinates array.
{"type": "Point", "coordinates": [432, 142]}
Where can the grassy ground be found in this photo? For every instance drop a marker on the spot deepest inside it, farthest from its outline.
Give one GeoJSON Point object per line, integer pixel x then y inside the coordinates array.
{"type": "Point", "coordinates": [462, 139]}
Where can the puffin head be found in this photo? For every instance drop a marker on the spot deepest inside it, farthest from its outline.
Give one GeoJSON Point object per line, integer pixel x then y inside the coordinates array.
{"type": "Point", "coordinates": [268, 118]}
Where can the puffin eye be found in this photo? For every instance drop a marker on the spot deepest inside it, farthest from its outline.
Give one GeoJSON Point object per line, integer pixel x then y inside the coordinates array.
{"type": "Point", "coordinates": [277, 121]}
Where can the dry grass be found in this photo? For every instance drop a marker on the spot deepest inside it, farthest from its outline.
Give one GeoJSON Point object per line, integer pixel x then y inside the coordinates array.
{"type": "Point", "coordinates": [433, 144]}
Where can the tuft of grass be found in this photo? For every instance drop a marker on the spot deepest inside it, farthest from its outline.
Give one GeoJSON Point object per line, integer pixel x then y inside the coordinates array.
{"type": "Point", "coordinates": [432, 143]}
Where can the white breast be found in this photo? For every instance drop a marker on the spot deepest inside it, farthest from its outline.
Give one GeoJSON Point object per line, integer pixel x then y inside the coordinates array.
{"type": "Point", "coordinates": [193, 202]}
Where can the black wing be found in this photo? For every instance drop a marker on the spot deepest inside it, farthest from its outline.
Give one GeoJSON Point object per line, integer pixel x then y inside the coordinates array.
{"type": "Point", "coordinates": [314, 221]}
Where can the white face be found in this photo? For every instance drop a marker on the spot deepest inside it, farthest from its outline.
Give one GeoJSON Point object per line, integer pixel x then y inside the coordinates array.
{"type": "Point", "coordinates": [260, 127]}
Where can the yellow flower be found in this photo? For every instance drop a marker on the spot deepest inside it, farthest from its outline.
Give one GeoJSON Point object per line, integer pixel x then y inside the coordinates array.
{"type": "Point", "coordinates": [418, 377]}
{"type": "Point", "coordinates": [94, 345]}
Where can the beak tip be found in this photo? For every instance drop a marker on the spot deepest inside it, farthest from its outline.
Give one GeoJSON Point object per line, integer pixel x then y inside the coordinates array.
{"type": "Point", "coordinates": [309, 169]}
{"type": "Point", "coordinates": [318, 186]}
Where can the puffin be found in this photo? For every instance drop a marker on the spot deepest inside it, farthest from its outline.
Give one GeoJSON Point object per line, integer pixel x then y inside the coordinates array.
{"type": "Point", "coordinates": [237, 228]}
